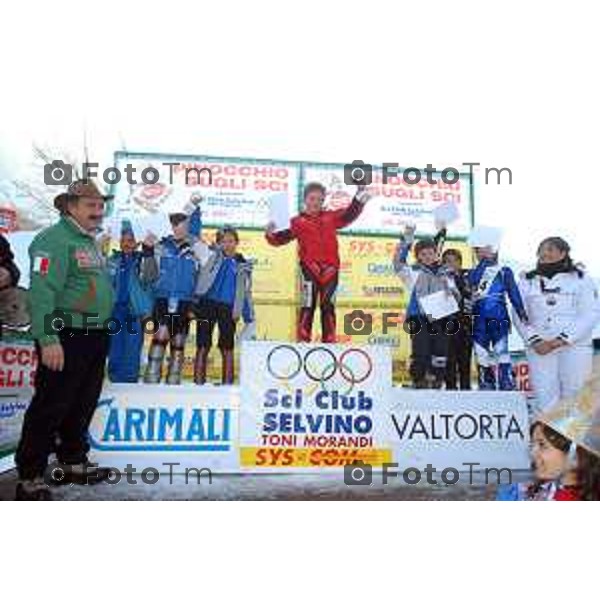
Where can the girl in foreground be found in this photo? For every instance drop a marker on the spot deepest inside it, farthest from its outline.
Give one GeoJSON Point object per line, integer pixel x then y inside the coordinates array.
{"type": "Point", "coordinates": [556, 477]}
{"type": "Point", "coordinates": [565, 452]}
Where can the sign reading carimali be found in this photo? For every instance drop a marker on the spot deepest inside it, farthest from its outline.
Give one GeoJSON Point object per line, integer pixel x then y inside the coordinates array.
{"type": "Point", "coordinates": [313, 405]}
{"type": "Point", "coordinates": [148, 425]}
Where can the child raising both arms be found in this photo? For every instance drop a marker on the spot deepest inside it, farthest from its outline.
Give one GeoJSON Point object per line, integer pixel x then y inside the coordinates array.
{"type": "Point", "coordinates": [430, 337]}
{"type": "Point", "coordinates": [315, 230]}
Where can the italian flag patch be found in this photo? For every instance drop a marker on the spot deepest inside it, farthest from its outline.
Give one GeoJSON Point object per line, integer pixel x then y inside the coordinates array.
{"type": "Point", "coordinates": [41, 265]}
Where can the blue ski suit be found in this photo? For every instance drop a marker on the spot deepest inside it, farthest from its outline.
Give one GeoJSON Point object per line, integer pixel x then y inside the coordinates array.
{"type": "Point", "coordinates": [491, 283]}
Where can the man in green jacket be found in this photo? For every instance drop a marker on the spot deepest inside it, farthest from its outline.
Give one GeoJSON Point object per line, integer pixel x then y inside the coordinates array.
{"type": "Point", "coordinates": [71, 302]}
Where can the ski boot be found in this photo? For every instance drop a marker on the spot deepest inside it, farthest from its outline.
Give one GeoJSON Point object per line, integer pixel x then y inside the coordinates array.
{"type": "Point", "coordinates": [487, 378]}
{"type": "Point", "coordinates": [156, 355]}
{"type": "Point", "coordinates": [506, 379]}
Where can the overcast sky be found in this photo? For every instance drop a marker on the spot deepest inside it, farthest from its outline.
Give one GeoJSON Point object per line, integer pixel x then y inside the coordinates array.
{"type": "Point", "coordinates": [505, 88]}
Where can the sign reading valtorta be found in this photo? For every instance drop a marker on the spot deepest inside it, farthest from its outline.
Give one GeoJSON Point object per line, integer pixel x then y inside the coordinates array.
{"type": "Point", "coordinates": [454, 429]}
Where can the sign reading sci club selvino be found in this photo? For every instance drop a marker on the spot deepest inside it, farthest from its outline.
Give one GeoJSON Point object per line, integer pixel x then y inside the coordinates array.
{"type": "Point", "coordinates": [313, 406]}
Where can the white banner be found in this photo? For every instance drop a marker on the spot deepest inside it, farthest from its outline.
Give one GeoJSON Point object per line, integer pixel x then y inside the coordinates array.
{"type": "Point", "coordinates": [307, 406]}
{"type": "Point", "coordinates": [236, 192]}
{"type": "Point", "coordinates": [452, 429]}
{"type": "Point", "coordinates": [304, 407]}
{"type": "Point", "coordinates": [396, 203]}
{"type": "Point", "coordinates": [12, 410]}
{"type": "Point", "coordinates": [150, 426]}
{"type": "Point", "coordinates": [18, 361]}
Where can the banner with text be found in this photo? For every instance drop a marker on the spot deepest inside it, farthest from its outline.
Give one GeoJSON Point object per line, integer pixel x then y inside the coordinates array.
{"type": "Point", "coordinates": [18, 361]}
{"type": "Point", "coordinates": [236, 192]}
{"type": "Point", "coordinates": [274, 271]}
{"type": "Point", "coordinates": [154, 425]}
{"type": "Point", "coordinates": [367, 275]}
{"type": "Point", "coordinates": [453, 429]}
{"type": "Point", "coordinates": [395, 202]}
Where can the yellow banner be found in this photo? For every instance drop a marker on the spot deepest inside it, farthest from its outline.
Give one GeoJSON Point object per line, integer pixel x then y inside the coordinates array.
{"type": "Point", "coordinates": [367, 275]}
{"type": "Point", "coordinates": [275, 269]}
{"type": "Point", "coordinates": [312, 457]}
{"type": "Point", "coordinates": [273, 322]}
{"type": "Point", "coordinates": [367, 284]}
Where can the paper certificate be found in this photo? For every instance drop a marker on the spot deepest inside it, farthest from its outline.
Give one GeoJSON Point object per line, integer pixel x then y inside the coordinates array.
{"type": "Point", "coordinates": [158, 224]}
{"type": "Point", "coordinates": [446, 213]}
{"type": "Point", "coordinates": [279, 211]}
{"type": "Point", "coordinates": [439, 305]}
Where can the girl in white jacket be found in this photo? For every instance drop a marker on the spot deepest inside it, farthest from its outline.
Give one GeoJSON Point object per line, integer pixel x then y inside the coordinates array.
{"type": "Point", "coordinates": [561, 301]}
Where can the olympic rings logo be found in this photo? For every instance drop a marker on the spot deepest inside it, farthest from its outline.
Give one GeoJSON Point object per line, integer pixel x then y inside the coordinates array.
{"type": "Point", "coordinates": [320, 365]}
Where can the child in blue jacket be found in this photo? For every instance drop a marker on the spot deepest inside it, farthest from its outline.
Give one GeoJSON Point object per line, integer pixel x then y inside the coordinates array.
{"type": "Point", "coordinates": [173, 270]}
{"type": "Point", "coordinates": [223, 294]}
{"type": "Point", "coordinates": [491, 284]}
{"type": "Point", "coordinates": [131, 306]}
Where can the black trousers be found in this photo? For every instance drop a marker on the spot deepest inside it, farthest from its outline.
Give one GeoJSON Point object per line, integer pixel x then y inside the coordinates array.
{"type": "Point", "coordinates": [429, 350]}
{"type": "Point", "coordinates": [63, 404]}
{"type": "Point", "coordinates": [177, 322]}
{"type": "Point", "coordinates": [460, 348]}
{"type": "Point", "coordinates": [208, 314]}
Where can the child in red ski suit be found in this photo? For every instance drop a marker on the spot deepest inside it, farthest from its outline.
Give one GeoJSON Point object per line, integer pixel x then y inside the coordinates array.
{"type": "Point", "coordinates": [315, 230]}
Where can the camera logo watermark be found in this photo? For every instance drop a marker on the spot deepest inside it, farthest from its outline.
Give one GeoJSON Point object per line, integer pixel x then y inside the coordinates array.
{"type": "Point", "coordinates": [58, 321]}
{"type": "Point", "coordinates": [58, 172]}
{"type": "Point", "coordinates": [360, 173]}
{"type": "Point", "coordinates": [59, 474]}
{"type": "Point", "coordinates": [361, 473]}
{"type": "Point", "coordinates": [358, 322]}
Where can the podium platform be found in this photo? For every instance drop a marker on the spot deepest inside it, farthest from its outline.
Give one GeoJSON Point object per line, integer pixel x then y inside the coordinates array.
{"type": "Point", "coordinates": [303, 408]}
{"type": "Point", "coordinates": [174, 428]}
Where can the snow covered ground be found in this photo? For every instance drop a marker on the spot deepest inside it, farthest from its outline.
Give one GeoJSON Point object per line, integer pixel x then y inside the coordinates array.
{"type": "Point", "coordinates": [269, 487]}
